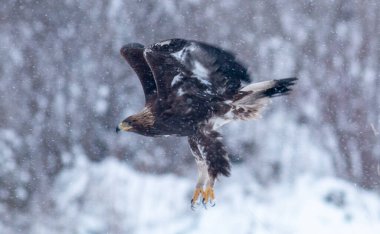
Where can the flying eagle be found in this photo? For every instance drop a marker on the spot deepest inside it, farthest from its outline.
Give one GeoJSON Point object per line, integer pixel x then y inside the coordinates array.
{"type": "Point", "coordinates": [191, 89]}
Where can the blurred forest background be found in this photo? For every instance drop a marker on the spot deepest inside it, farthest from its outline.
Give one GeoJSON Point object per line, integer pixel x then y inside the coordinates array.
{"type": "Point", "coordinates": [64, 87]}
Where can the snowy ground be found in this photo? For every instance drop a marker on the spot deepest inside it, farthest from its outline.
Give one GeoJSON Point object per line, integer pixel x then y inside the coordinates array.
{"type": "Point", "coordinates": [110, 197]}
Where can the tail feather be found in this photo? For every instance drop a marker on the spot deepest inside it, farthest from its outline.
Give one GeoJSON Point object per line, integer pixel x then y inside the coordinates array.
{"type": "Point", "coordinates": [281, 87]}
{"type": "Point", "coordinates": [271, 88]}
{"type": "Point", "coordinates": [252, 99]}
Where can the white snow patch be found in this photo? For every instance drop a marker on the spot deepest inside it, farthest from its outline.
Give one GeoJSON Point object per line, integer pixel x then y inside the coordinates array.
{"type": "Point", "coordinates": [110, 197]}
{"type": "Point", "coordinates": [115, 6]}
{"type": "Point", "coordinates": [103, 91]}
{"type": "Point", "coordinates": [101, 106]}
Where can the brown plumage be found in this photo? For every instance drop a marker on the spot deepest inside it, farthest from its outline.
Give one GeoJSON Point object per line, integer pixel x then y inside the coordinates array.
{"type": "Point", "coordinates": [191, 89]}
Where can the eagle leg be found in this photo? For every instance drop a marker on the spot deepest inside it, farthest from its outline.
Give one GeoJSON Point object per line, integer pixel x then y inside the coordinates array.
{"type": "Point", "coordinates": [202, 177]}
{"type": "Point", "coordinates": [209, 195]}
{"type": "Point", "coordinates": [212, 160]}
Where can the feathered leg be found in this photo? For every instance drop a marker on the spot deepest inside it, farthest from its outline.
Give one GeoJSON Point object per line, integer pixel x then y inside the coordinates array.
{"type": "Point", "coordinates": [202, 172]}
{"type": "Point", "coordinates": [202, 179]}
{"type": "Point", "coordinates": [212, 160]}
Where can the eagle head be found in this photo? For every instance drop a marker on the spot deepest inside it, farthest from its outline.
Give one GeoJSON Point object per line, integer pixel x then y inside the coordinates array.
{"type": "Point", "coordinates": [138, 123]}
{"type": "Point", "coordinates": [125, 125]}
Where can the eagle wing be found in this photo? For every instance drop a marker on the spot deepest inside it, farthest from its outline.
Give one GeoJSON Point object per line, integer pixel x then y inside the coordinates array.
{"type": "Point", "coordinates": [134, 54]}
{"type": "Point", "coordinates": [184, 100]}
{"type": "Point", "coordinates": [165, 70]}
{"type": "Point", "coordinates": [190, 76]}
{"type": "Point", "coordinates": [207, 62]}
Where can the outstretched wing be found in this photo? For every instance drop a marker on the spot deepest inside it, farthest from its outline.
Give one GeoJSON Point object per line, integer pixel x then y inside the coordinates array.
{"type": "Point", "coordinates": [165, 70]}
{"type": "Point", "coordinates": [208, 63]}
{"type": "Point", "coordinates": [134, 54]}
{"type": "Point", "coordinates": [191, 77]}
{"type": "Point", "coordinates": [206, 145]}
{"type": "Point", "coordinates": [185, 100]}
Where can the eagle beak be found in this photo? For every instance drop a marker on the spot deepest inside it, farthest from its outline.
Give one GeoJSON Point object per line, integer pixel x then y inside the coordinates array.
{"type": "Point", "coordinates": [123, 126]}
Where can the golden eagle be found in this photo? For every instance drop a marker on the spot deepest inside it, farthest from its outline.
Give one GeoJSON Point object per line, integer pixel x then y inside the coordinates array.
{"type": "Point", "coordinates": [191, 89]}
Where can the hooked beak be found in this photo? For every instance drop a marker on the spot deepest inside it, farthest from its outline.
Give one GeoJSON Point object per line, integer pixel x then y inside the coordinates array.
{"type": "Point", "coordinates": [123, 126]}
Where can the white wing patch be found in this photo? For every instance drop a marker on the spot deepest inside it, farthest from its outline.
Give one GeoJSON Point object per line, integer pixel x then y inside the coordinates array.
{"type": "Point", "coordinates": [176, 79]}
{"type": "Point", "coordinates": [199, 70]}
{"type": "Point", "coordinates": [162, 43]}
{"type": "Point", "coordinates": [203, 81]}
{"type": "Point", "coordinates": [179, 55]}
{"type": "Point", "coordinates": [180, 92]}
{"type": "Point", "coordinates": [217, 122]}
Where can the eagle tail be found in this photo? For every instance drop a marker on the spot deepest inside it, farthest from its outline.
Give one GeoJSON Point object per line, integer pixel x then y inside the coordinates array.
{"type": "Point", "coordinates": [251, 100]}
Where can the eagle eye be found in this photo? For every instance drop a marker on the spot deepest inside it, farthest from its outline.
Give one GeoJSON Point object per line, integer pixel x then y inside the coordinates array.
{"type": "Point", "coordinates": [129, 121]}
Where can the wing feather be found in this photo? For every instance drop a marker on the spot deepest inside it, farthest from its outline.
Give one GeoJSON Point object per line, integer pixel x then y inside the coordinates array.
{"type": "Point", "coordinates": [207, 62]}
{"type": "Point", "coordinates": [134, 54]}
{"type": "Point", "coordinates": [164, 69]}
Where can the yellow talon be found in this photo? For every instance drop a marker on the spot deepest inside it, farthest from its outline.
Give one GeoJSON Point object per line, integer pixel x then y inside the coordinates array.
{"type": "Point", "coordinates": [197, 192]}
{"type": "Point", "coordinates": [208, 195]}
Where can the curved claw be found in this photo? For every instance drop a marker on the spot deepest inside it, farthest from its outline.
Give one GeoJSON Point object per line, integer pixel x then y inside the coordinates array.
{"type": "Point", "coordinates": [204, 204]}
{"type": "Point", "coordinates": [198, 193]}
{"type": "Point", "coordinates": [210, 203]}
{"type": "Point", "coordinates": [194, 205]}
{"type": "Point", "coordinates": [204, 197]}
{"type": "Point", "coordinates": [208, 197]}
